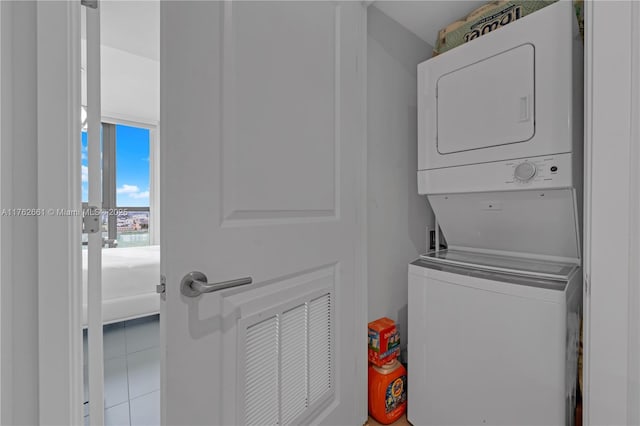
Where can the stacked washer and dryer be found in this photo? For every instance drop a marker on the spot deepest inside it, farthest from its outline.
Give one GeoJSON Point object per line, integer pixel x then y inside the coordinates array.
{"type": "Point", "coordinates": [494, 319]}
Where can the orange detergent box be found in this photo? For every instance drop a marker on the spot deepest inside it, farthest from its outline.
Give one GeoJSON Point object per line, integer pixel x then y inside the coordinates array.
{"type": "Point", "coordinates": [384, 341]}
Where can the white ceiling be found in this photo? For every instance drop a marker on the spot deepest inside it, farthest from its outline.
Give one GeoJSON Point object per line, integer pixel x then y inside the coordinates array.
{"type": "Point", "coordinates": [132, 26]}
{"type": "Point", "coordinates": [426, 18]}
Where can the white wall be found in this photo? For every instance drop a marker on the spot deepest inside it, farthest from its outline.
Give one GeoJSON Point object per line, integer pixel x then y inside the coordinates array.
{"type": "Point", "coordinates": [397, 215]}
{"type": "Point", "coordinates": [130, 85]}
{"type": "Point", "coordinates": [19, 190]}
{"type": "Point", "coordinates": [612, 209]}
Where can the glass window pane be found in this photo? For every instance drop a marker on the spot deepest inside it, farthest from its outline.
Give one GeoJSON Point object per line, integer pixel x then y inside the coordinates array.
{"type": "Point", "coordinates": [84, 163]}
{"type": "Point", "coordinates": [132, 166]}
{"type": "Point", "coordinates": [85, 167]}
{"type": "Point", "coordinates": [132, 185]}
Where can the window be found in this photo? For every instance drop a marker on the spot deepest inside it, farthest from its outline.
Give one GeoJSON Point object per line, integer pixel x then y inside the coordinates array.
{"type": "Point", "coordinates": [132, 149]}
{"type": "Point", "coordinates": [85, 167]}
{"type": "Point", "coordinates": [126, 184]}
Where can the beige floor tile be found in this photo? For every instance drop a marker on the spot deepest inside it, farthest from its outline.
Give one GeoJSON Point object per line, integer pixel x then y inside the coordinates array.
{"type": "Point", "coordinates": [402, 421]}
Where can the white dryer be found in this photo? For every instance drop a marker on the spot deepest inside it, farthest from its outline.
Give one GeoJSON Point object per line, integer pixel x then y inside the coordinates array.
{"type": "Point", "coordinates": [504, 111]}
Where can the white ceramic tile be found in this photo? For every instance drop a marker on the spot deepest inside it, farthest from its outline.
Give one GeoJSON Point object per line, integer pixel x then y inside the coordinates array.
{"type": "Point", "coordinates": [142, 335]}
{"type": "Point", "coordinates": [115, 373]}
{"type": "Point", "coordinates": [114, 340]}
{"type": "Point", "coordinates": [145, 410]}
{"type": "Point", "coordinates": [118, 415]}
{"type": "Point", "coordinates": [115, 382]}
{"type": "Point", "coordinates": [114, 416]}
{"type": "Point", "coordinates": [144, 372]}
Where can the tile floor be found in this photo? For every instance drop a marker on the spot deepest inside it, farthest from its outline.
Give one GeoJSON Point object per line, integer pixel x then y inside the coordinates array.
{"type": "Point", "coordinates": [131, 373]}
{"type": "Point", "coordinates": [402, 421]}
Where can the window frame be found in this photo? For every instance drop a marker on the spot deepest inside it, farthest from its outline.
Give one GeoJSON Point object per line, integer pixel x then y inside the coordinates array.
{"type": "Point", "coordinates": [109, 173]}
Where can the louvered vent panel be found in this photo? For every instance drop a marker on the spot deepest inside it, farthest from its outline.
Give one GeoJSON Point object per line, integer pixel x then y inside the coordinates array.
{"type": "Point", "coordinates": [261, 374]}
{"type": "Point", "coordinates": [293, 363]}
{"type": "Point", "coordinates": [288, 363]}
{"type": "Point", "coordinates": [319, 347]}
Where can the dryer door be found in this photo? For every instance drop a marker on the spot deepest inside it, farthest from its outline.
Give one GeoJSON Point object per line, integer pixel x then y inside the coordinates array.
{"type": "Point", "coordinates": [487, 103]}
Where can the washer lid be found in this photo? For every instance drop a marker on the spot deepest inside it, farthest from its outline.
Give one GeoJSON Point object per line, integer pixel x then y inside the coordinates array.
{"type": "Point", "coordinates": [503, 264]}
{"type": "Point", "coordinates": [534, 223]}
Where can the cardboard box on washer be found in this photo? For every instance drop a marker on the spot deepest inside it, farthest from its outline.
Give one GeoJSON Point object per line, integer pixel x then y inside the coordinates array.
{"type": "Point", "coordinates": [491, 17]}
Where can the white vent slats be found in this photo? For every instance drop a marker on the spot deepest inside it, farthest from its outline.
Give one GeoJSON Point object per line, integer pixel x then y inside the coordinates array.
{"type": "Point", "coordinates": [288, 363]}
{"type": "Point", "coordinates": [261, 397]}
{"type": "Point", "coordinates": [293, 363]}
{"type": "Point", "coordinates": [319, 347]}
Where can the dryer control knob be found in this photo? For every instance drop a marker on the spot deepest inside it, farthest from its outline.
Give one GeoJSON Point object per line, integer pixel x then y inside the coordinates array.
{"type": "Point", "coordinates": [525, 171]}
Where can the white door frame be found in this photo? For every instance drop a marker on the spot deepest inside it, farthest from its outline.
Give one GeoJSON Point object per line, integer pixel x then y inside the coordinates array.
{"type": "Point", "coordinates": [612, 208]}
{"type": "Point", "coordinates": [2, 250]}
{"type": "Point", "coordinates": [59, 234]}
{"type": "Point", "coordinates": [612, 308]}
{"type": "Point", "coordinates": [59, 366]}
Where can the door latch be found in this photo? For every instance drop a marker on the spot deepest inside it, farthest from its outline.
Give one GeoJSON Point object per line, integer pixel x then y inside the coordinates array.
{"type": "Point", "coordinates": [161, 288]}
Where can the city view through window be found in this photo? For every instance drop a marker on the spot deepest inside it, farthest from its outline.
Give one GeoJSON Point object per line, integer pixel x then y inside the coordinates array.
{"type": "Point", "coordinates": [132, 149]}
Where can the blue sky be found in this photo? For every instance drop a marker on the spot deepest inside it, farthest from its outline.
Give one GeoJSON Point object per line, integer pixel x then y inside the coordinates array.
{"type": "Point", "coordinates": [132, 166]}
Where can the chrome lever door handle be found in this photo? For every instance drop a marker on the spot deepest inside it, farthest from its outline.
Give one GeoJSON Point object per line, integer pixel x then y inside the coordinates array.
{"type": "Point", "coordinates": [195, 283]}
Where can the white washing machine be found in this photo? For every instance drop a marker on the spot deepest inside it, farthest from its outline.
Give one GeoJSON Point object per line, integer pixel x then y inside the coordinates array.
{"type": "Point", "coordinates": [504, 109]}
{"type": "Point", "coordinates": [492, 340]}
{"type": "Point", "coordinates": [494, 319]}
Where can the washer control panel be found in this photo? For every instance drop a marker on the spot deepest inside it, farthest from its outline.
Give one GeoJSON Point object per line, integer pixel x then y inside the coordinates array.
{"type": "Point", "coordinates": [524, 172]}
{"type": "Point", "coordinates": [552, 171]}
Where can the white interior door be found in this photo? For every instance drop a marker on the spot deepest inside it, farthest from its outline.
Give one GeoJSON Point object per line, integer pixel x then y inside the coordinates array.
{"type": "Point", "coordinates": [261, 163]}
